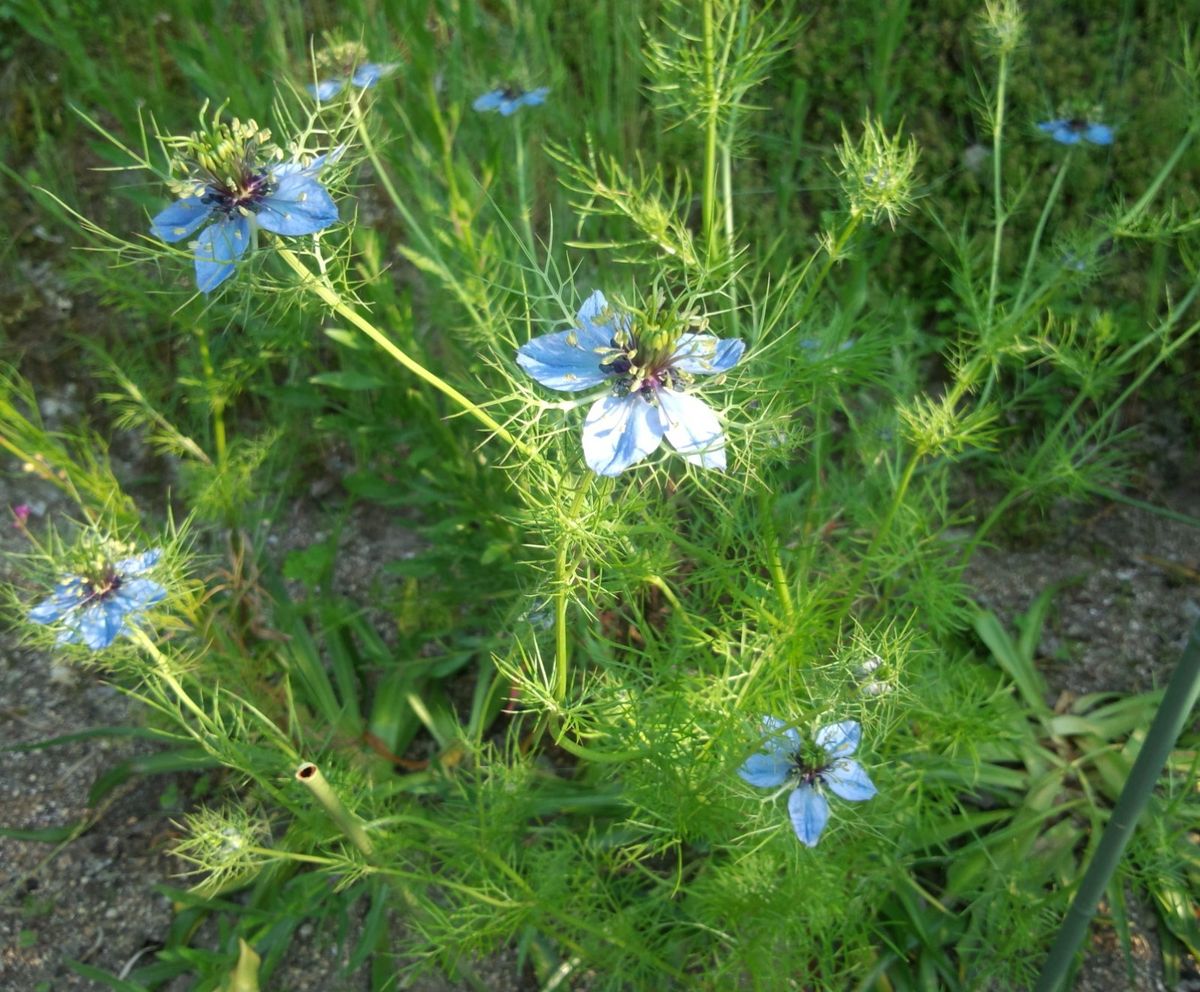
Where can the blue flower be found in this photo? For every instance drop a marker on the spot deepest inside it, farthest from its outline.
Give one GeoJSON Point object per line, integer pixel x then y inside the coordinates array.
{"type": "Point", "coordinates": [1070, 131]}
{"type": "Point", "coordinates": [229, 206]}
{"type": "Point", "coordinates": [364, 77]}
{"type": "Point", "coordinates": [94, 610]}
{"type": "Point", "coordinates": [509, 99]}
{"type": "Point", "coordinates": [646, 375]}
{"type": "Point", "coordinates": [782, 759]}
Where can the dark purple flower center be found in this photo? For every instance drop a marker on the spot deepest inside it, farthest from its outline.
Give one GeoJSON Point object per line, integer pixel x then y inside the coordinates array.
{"type": "Point", "coordinates": [99, 588]}
{"type": "Point", "coordinates": [809, 771]}
{"type": "Point", "coordinates": [1078, 124]}
{"type": "Point", "coordinates": [638, 369]}
{"type": "Point", "coordinates": [247, 192]}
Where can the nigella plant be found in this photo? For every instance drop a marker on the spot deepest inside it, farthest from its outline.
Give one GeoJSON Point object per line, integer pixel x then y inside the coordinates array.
{"type": "Point", "coordinates": [233, 189]}
{"type": "Point", "coordinates": [342, 63]}
{"type": "Point", "coordinates": [783, 761]}
{"type": "Point", "coordinates": [647, 371]}
{"type": "Point", "coordinates": [1071, 131]}
{"type": "Point", "coordinates": [95, 608]}
{"type": "Point", "coordinates": [510, 99]}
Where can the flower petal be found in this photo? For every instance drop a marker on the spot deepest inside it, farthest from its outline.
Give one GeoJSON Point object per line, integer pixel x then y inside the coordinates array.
{"type": "Point", "coordinates": [298, 205]}
{"type": "Point", "coordinates": [68, 594]}
{"type": "Point", "coordinates": [533, 98]}
{"type": "Point", "coordinates": [325, 89]}
{"type": "Point", "coordinates": [135, 594]}
{"type": "Point", "coordinates": [840, 739]}
{"type": "Point", "coordinates": [705, 354]}
{"type": "Point", "coordinates": [180, 219]}
{"type": "Point", "coordinates": [100, 625]}
{"type": "Point", "coordinates": [138, 563]}
{"type": "Point", "coordinates": [766, 770]}
{"type": "Point", "coordinates": [566, 360]}
{"type": "Point", "coordinates": [489, 101]}
{"type": "Point", "coordinates": [620, 431]}
{"type": "Point", "coordinates": [693, 429]}
{"type": "Point", "coordinates": [218, 248]}
{"type": "Point", "coordinates": [1099, 134]}
{"type": "Point", "coordinates": [774, 763]}
{"type": "Point", "coordinates": [1061, 131]}
{"type": "Point", "coordinates": [369, 73]}
{"type": "Point", "coordinates": [809, 812]}
{"type": "Point", "coordinates": [847, 779]}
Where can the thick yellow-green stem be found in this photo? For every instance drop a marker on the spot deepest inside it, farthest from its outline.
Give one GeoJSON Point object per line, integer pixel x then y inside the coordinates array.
{"type": "Point", "coordinates": [333, 299]}
{"type": "Point", "coordinates": [309, 775]}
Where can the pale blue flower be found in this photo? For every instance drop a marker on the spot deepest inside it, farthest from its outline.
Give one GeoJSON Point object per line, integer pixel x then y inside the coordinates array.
{"type": "Point", "coordinates": [95, 610]}
{"type": "Point", "coordinates": [364, 77]}
{"type": "Point", "coordinates": [646, 376]}
{"type": "Point", "coordinates": [782, 759]}
{"type": "Point", "coordinates": [510, 99]}
{"type": "Point", "coordinates": [284, 198]}
{"type": "Point", "coordinates": [1070, 131]}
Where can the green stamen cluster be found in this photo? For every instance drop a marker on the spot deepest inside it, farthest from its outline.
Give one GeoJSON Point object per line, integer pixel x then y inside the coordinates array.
{"type": "Point", "coordinates": [340, 58]}
{"type": "Point", "coordinates": [223, 151]}
{"type": "Point", "coordinates": [877, 173]}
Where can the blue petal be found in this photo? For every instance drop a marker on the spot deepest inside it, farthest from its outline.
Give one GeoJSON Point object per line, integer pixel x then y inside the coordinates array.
{"type": "Point", "coordinates": [99, 625]}
{"type": "Point", "coordinates": [533, 98]}
{"type": "Point", "coordinates": [783, 739]}
{"type": "Point", "coordinates": [138, 563]}
{"type": "Point", "coordinates": [693, 429]}
{"type": "Point", "coordinates": [489, 101]}
{"type": "Point", "coordinates": [136, 594]}
{"type": "Point", "coordinates": [840, 739]}
{"type": "Point", "coordinates": [1099, 134]}
{"type": "Point", "coordinates": [68, 594]}
{"type": "Point", "coordinates": [774, 763]}
{"type": "Point", "coordinates": [619, 432]}
{"type": "Point", "coordinates": [704, 354]}
{"type": "Point", "coordinates": [218, 248]}
{"type": "Point", "coordinates": [369, 73]}
{"type": "Point", "coordinates": [1061, 131]}
{"type": "Point", "coordinates": [298, 205]}
{"type": "Point", "coordinates": [847, 779]}
{"type": "Point", "coordinates": [809, 812]}
{"type": "Point", "coordinates": [508, 105]}
{"type": "Point", "coordinates": [766, 770]}
{"type": "Point", "coordinates": [325, 89]}
{"type": "Point", "coordinates": [566, 360]}
{"type": "Point", "coordinates": [180, 219]}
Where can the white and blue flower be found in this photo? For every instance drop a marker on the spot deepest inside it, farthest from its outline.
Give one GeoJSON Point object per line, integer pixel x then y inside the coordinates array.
{"type": "Point", "coordinates": [1072, 130]}
{"type": "Point", "coordinates": [96, 609]}
{"type": "Point", "coordinates": [646, 375]}
{"type": "Point", "coordinates": [782, 760]}
{"type": "Point", "coordinates": [236, 198]}
{"type": "Point", "coordinates": [510, 99]}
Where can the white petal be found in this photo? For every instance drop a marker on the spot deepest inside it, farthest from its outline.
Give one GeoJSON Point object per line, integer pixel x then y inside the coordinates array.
{"type": "Point", "coordinates": [693, 429]}
{"type": "Point", "coordinates": [620, 431]}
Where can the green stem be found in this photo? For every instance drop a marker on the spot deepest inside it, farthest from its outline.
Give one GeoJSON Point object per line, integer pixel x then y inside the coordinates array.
{"type": "Point", "coordinates": [712, 96]}
{"type": "Point", "coordinates": [831, 259]}
{"type": "Point", "coordinates": [564, 573]}
{"type": "Point", "coordinates": [415, 231]}
{"type": "Point", "coordinates": [1172, 716]}
{"type": "Point", "coordinates": [333, 299]}
{"type": "Point", "coordinates": [774, 562]}
{"type": "Point", "coordinates": [997, 198]}
{"type": "Point", "coordinates": [216, 402]}
{"type": "Point", "coordinates": [310, 776]}
{"type": "Point", "coordinates": [523, 206]}
{"type": "Point", "coordinates": [163, 671]}
{"type": "Point", "coordinates": [1051, 199]}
